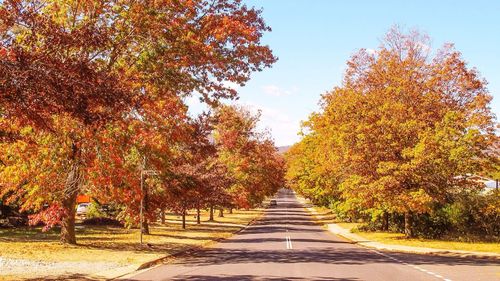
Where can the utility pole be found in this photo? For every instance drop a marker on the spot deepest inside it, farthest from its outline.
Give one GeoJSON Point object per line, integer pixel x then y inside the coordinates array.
{"type": "Point", "coordinates": [141, 214]}
{"type": "Point", "coordinates": [141, 211]}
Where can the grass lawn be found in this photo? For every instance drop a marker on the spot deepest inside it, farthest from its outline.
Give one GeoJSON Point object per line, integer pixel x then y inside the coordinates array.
{"type": "Point", "coordinates": [350, 225]}
{"type": "Point", "coordinates": [399, 239]}
{"type": "Point", "coordinates": [112, 247]}
{"type": "Point", "coordinates": [326, 217]}
{"type": "Point", "coordinates": [240, 217]}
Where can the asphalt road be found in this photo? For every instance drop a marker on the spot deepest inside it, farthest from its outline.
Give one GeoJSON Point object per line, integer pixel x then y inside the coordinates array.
{"type": "Point", "coordinates": [286, 244]}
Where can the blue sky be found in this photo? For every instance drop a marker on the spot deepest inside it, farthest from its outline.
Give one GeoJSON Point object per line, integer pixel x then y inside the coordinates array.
{"type": "Point", "coordinates": [314, 38]}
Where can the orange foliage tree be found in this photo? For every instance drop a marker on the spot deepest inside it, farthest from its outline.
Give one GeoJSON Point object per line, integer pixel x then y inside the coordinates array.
{"type": "Point", "coordinates": [250, 156]}
{"type": "Point", "coordinates": [401, 134]}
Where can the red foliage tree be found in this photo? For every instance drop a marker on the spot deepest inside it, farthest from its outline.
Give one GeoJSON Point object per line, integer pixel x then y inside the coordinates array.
{"type": "Point", "coordinates": [95, 63]}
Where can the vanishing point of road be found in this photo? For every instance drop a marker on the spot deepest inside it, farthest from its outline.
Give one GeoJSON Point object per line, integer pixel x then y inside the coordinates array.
{"type": "Point", "coordinates": [286, 244]}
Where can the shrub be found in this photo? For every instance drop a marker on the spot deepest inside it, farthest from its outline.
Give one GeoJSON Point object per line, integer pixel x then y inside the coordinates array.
{"type": "Point", "coordinates": [94, 211]}
{"type": "Point", "coordinates": [469, 216]}
{"type": "Point", "coordinates": [102, 221]}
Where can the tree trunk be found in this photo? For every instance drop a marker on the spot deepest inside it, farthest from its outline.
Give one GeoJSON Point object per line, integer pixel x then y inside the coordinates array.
{"type": "Point", "coordinates": [71, 190]}
{"type": "Point", "coordinates": [230, 210]}
{"type": "Point", "coordinates": [385, 221]}
{"type": "Point", "coordinates": [198, 219]}
{"type": "Point", "coordinates": [221, 213]}
{"type": "Point", "coordinates": [184, 219]}
{"type": "Point", "coordinates": [162, 215]}
{"type": "Point", "coordinates": [211, 218]}
{"type": "Point", "coordinates": [145, 227]}
{"type": "Point", "coordinates": [408, 225]}
{"type": "Point", "coordinates": [68, 221]}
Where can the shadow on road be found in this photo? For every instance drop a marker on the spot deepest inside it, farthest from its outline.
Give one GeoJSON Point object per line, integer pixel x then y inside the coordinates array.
{"type": "Point", "coordinates": [256, 277]}
{"type": "Point", "coordinates": [349, 256]}
{"type": "Point", "coordinates": [295, 240]}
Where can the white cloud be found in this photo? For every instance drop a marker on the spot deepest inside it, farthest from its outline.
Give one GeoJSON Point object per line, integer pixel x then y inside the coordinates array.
{"type": "Point", "coordinates": [195, 106]}
{"type": "Point", "coordinates": [282, 124]}
{"type": "Point", "coordinates": [231, 85]}
{"type": "Point", "coordinates": [276, 91]}
{"type": "Point", "coordinates": [424, 47]}
{"type": "Point", "coordinates": [268, 113]}
{"type": "Point", "coordinates": [371, 51]}
{"type": "Point", "coordinates": [284, 129]}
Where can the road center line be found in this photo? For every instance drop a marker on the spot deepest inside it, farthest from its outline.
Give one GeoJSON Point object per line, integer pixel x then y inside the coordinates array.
{"type": "Point", "coordinates": [289, 245]}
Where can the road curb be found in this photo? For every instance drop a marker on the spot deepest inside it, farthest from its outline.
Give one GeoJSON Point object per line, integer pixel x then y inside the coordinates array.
{"type": "Point", "coordinates": [189, 250]}
{"type": "Point", "coordinates": [356, 239]}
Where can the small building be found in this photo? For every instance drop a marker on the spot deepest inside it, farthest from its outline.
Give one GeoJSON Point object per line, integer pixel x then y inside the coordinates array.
{"type": "Point", "coordinates": [82, 199]}
{"type": "Point", "coordinates": [489, 184]}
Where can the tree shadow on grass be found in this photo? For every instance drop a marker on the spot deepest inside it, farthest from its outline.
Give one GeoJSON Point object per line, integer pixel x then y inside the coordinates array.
{"type": "Point", "coordinates": [204, 215]}
{"type": "Point", "coordinates": [68, 277]}
{"type": "Point", "coordinates": [164, 248]}
{"type": "Point", "coordinates": [35, 234]}
{"type": "Point", "coordinates": [28, 234]}
{"type": "Point", "coordinates": [182, 237]}
{"type": "Point", "coordinates": [255, 277]}
{"type": "Point", "coordinates": [119, 239]}
{"type": "Point", "coordinates": [212, 228]}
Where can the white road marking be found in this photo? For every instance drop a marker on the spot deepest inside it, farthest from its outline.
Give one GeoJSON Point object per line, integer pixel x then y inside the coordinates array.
{"type": "Point", "coordinates": [412, 265]}
{"type": "Point", "coordinates": [288, 243]}
{"type": "Point", "coordinates": [287, 238]}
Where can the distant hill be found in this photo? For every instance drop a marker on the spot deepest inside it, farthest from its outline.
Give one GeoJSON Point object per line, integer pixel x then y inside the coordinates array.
{"type": "Point", "coordinates": [283, 149]}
